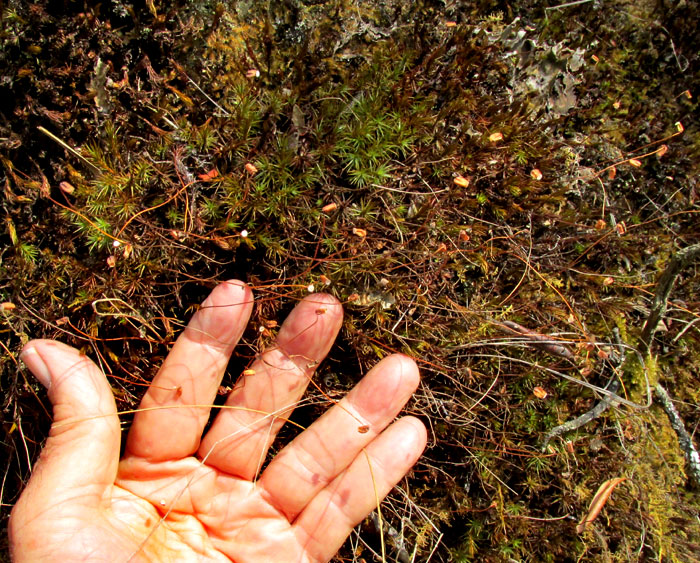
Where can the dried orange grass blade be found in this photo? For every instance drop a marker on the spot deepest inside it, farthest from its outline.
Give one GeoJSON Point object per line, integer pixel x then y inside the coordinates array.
{"type": "Point", "coordinates": [598, 502]}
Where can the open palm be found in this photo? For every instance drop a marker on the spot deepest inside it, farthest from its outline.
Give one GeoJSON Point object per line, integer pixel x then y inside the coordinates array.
{"type": "Point", "coordinates": [178, 496]}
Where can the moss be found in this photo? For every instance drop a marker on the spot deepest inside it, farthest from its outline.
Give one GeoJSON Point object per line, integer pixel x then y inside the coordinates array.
{"type": "Point", "coordinates": [239, 125]}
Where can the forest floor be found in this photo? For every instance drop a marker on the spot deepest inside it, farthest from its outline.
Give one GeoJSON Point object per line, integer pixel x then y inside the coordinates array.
{"type": "Point", "coordinates": [492, 188]}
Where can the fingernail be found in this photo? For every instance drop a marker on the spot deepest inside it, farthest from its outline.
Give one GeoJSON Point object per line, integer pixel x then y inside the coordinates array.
{"type": "Point", "coordinates": [36, 365]}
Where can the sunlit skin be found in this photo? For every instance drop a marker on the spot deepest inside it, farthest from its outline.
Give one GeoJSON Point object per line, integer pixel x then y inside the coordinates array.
{"type": "Point", "coordinates": [179, 496]}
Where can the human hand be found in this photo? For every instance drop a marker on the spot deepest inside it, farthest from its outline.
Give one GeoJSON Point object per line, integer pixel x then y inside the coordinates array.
{"type": "Point", "coordinates": [176, 496]}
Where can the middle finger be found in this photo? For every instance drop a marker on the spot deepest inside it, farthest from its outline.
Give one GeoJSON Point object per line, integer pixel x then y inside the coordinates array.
{"type": "Point", "coordinates": [256, 409]}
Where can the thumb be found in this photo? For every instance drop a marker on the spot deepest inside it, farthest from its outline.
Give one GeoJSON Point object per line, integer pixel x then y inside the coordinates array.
{"type": "Point", "coordinates": [80, 458]}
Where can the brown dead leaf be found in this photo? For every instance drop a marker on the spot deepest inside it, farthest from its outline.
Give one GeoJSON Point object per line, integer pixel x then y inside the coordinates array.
{"type": "Point", "coordinates": [598, 502]}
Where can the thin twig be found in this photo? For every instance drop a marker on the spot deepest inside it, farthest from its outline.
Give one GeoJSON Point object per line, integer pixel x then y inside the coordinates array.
{"type": "Point", "coordinates": [568, 4]}
{"type": "Point", "coordinates": [680, 260]}
{"type": "Point", "coordinates": [603, 405]}
{"type": "Point", "coordinates": [663, 289]}
{"type": "Point", "coordinates": [684, 439]}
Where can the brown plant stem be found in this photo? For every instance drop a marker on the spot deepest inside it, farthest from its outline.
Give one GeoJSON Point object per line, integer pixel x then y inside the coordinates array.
{"type": "Point", "coordinates": [540, 340]}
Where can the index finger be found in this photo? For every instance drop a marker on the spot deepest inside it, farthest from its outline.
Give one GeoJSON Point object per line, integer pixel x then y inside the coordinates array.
{"type": "Point", "coordinates": [166, 428]}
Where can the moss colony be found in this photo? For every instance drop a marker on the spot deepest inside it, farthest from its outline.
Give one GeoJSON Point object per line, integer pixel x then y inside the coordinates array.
{"type": "Point", "coordinates": [469, 179]}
